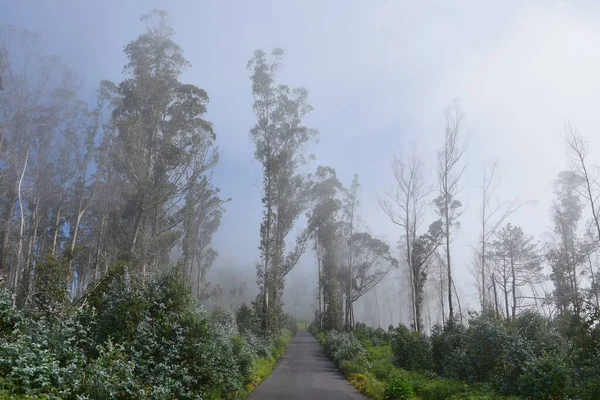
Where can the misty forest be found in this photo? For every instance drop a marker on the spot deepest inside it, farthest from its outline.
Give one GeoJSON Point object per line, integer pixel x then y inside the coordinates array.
{"type": "Point", "coordinates": [111, 285]}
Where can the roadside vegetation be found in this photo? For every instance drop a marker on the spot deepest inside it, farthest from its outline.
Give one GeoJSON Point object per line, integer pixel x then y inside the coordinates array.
{"type": "Point", "coordinates": [529, 357]}
{"type": "Point", "coordinates": [130, 339]}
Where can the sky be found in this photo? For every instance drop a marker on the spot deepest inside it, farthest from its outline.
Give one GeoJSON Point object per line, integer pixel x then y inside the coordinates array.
{"type": "Point", "coordinates": [380, 75]}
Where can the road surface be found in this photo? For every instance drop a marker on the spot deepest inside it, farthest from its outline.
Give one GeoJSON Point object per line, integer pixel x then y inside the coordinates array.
{"type": "Point", "coordinates": [304, 372]}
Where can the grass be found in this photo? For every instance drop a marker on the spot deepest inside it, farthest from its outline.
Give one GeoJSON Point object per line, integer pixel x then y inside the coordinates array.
{"type": "Point", "coordinates": [264, 366]}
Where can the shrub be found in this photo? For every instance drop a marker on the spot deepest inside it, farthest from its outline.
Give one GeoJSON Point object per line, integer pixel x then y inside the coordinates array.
{"type": "Point", "coordinates": [359, 381]}
{"type": "Point", "coordinates": [353, 367]}
{"type": "Point", "coordinates": [442, 389]}
{"type": "Point", "coordinates": [382, 368]}
{"type": "Point", "coordinates": [448, 349]}
{"type": "Point", "coordinates": [111, 375]}
{"type": "Point", "coordinates": [246, 320]}
{"type": "Point", "coordinates": [486, 343]}
{"type": "Point", "coordinates": [411, 350]}
{"type": "Point", "coordinates": [51, 282]}
{"type": "Point", "coordinates": [367, 385]}
{"type": "Point", "coordinates": [343, 346]}
{"type": "Point", "coordinates": [321, 337]}
{"type": "Point", "coordinates": [381, 351]}
{"type": "Point", "coordinates": [374, 335]}
{"type": "Point", "coordinates": [257, 344]}
{"type": "Point", "coordinates": [9, 317]}
{"type": "Point", "coordinates": [34, 362]}
{"type": "Point", "coordinates": [398, 388]}
{"type": "Point", "coordinates": [544, 378]}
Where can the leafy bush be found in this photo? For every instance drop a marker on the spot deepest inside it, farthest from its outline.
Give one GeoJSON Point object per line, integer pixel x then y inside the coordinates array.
{"type": "Point", "coordinates": [367, 385]}
{"type": "Point", "coordinates": [382, 368]}
{"type": "Point", "coordinates": [246, 320]}
{"type": "Point", "coordinates": [485, 347]}
{"type": "Point", "coordinates": [374, 335]}
{"type": "Point", "coordinates": [321, 337]}
{"type": "Point", "coordinates": [448, 346]}
{"type": "Point", "coordinates": [9, 317]}
{"type": "Point", "coordinates": [257, 344]}
{"type": "Point", "coordinates": [353, 367]}
{"type": "Point", "coordinates": [544, 378]}
{"type": "Point", "coordinates": [442, 389]}
{"type": "Point", "coordinates": [112, 374]}
{"type": "Point", "coordinates": [398, 388]}
{"type": "Point", "coordinates": [343, 346]}
{"type": "Point", "coordinates": [130, 339]}
{"type": "Point", "coordinates": [411, 350]}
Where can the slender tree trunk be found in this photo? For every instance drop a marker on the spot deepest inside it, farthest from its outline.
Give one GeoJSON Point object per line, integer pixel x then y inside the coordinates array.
{"type": "Point", "coordinates": [350, 266]}
{"type": "Point", "coordinates": [575, 285]}
{"type": "Point", "coordinates": [409, 263]}
{"type": "Point", "coordinates": [56, 226]}
{"type": "Point", "coordinates": [266, 283]}
{"type": "Point", "coordinates": [21, 232]}
{"type": "Point", "coordinates": [442, 304]}
{"type": "Point", "coordinates": [136, 230]}
{"type": "Point", "coordinates": [320, 283]}
{"type": "Point", "coordinates": [4, 263]}
{"type": "Point", "coordinates": [98, 246]}
{"type": "Point", "coordinates": [514, 288]}
{"type": "Point", "coordinates": [32, 239]}
{"type": "Point", "coordinates": [483, 299]}
{"type": "Point", "coordinates": [495, 295]}
{"type": "Point", "coordinates": [74, 240]}
{"type": "Point", "coordinates": [505, 289]}
{"type": "Point", "coordinates": [590, 194]}
{"type": "Point", "coordinates": [450, 309]}
{"type": "Point", "coordinates": [593, 279]}
{"type": "Point", "coordinates": [428, 314]}
{"type": "Point", "coordinates": [458, 302]}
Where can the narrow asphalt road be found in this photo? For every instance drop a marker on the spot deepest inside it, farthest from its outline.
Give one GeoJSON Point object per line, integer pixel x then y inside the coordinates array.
{"type": "Point", "coordinates": [304, 372]}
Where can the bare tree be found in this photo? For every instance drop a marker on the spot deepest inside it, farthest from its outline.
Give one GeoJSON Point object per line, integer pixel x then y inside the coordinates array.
{"type": "Point", "coordinates": [450, 179]}
{"type": "Point", "coordinates": [588, 188]}
{"type": "Point", "coordinates": [493, 213]}
{"type": "Point", "coordinates": [405, 206]}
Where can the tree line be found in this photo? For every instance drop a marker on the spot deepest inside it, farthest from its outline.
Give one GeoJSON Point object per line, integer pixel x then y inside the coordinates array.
{"type": "Point", "coordinates": [129, 179]}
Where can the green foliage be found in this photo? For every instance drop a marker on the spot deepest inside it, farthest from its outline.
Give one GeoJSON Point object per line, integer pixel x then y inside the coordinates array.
{"type": "Point", "coordinates": [132, 340]}
{"type": "Point", "coordinates": [343, 346]}
{"type": "Point", "coordinates": [485, 348]}
{"type": "Point", "coordinates": [448, 349]}
{"type": "Point", "coordinates": [411, 349]}
{"type": "Point", "coordinates": [382, 368]}
{"type": "Point", "coordinates": [9, 317]}
{"type": "Point", "coordinates": [246, 320]}
{"type": "Point", "coordinates": [365, 332]}
{"type": "Point", "coordinates": [353, 367]}
{"type": "Point", "coordinates": [367, 385]}
{"type": "Point", "coordinates": [112, 374]}
{"type": "Point", "coordinates": [119, 303]}
{"type": "Point", "coordinates": [43, 357]}
{"type": "Point", "coordinates": [442, 389]}
{"type": "Point", "coordinates": [544, 378]}
{"type": "Point", "coordinates": [51, 288]}
{"type": "Point", "coordinates": [398, 388]}
{"type": "Point", "coordinates": [376, 376]}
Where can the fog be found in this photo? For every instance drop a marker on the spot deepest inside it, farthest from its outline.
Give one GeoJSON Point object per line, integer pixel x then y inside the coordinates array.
{"type": "Point", "coordinates": [380, 76]}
